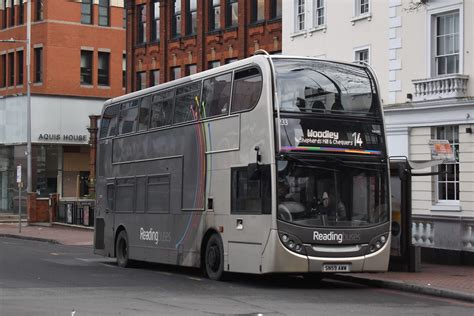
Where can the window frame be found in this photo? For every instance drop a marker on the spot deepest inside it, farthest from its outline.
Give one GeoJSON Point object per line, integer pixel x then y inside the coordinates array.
{"type": "Point", "coordinates": [316, 11]}
{"type": "Point", "coordinates": [20, 62]}
{"type": "Point", "coordinates": [87, 18]}
{"type": "Point", "coordinates": [155, 35]}
{"type": "Point", "coordinates": [191, 28]}
{"type": "Point", "coordinates": [11, 69]}
{"type": "Point", "coordinates": [176, 18]}
{"type": "Point", "coordinates": [359, 50]}
{"type": "Point", "coordinates": [91, 69]}
{"type": "Point", "coordinates": [445, 55]}
{"type": "Point", "coordinates": [233, 89]}
{"type": "Point", "coordinates": [274, 4]}
{"type": "Point", "coordinates": [38, 65]}
{"type": "Point", "coordinates": [3, 65]}
{"type": "Point", "coordinates": [106, 6]}
{"type": "Point", "coordinates": [359, 4]}
{"type": "Point", "coordinates": [229, 20]}
{"type": "Point", "coordinates": [255, 12]}
{"type": "Point", "coordinates": [103, 73]}
{"type": "Point", "coordinates": [213, 4]}
{"type": "Point", "coordinates": [141, 18]}
{"type": "Point", "coordinates": [300, 16]}
{"type": "Point", "coordinates": [139, 83]}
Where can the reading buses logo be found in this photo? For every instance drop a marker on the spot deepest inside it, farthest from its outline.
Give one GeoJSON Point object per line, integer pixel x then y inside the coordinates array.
{"type": "Point", "coordinates": [332, 236]}
{"type": "Point", "coordinates": [155, 236]}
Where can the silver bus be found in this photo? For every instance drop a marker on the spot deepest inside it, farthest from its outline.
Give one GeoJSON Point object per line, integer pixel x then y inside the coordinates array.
{"type": "Point", "coordinates": [271, 164]}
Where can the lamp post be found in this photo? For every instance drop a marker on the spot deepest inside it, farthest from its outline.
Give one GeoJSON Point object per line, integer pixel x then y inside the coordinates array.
{"type": "Point", "coordinates": [28, 93]}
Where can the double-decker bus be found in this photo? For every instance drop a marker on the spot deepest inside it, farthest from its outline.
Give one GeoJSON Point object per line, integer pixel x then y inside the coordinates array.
{"type": "Point", "coordinates": [271, 164]}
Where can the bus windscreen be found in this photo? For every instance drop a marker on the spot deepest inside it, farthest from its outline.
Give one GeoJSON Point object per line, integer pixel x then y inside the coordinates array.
{"type": "Point", "coordinates": [327, 87]}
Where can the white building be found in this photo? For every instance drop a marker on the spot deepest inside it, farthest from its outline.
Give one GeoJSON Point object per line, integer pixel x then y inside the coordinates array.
{"type": "Point", "coordinates": [423, 53]}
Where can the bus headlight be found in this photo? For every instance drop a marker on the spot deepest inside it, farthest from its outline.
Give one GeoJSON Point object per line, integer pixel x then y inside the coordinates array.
{"type": "Point", "coordinates": [292, 242]}
{"type": "Point", "coordinates": [377, 243]}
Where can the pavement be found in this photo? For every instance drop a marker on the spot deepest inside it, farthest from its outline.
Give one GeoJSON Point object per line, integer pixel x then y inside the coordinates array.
{"type": "Point", "coordinates": [454, 282]}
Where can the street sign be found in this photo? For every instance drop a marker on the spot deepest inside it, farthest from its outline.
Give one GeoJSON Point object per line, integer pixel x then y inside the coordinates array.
{"type": "Point", "coordinates": [441, 150]}
{"type": "Point", "coordinates": [18, 174]}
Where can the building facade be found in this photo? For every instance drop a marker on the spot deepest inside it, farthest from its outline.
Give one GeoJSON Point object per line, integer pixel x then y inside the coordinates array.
{"type": "Point", "coordinates": [169, 39]}
{"type": "Point", "coordinates": [77, 53]}
{"type": "Point", "coordinates": [422, 54]}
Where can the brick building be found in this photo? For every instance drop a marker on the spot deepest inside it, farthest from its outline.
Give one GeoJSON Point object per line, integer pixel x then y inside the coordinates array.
{"type": "Point", "coordinates": [77, 58]}
{"type": "Point", "coordinates": [169, 39]}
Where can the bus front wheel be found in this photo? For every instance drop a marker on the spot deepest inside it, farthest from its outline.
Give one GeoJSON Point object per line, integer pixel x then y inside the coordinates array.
{"type": "Point", "coordinates": [121, 249]}
{"type": "Point", "coordinates": [214, 258]}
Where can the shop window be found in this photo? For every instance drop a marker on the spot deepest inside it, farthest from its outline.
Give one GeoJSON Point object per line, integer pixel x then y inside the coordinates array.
{"type": "Point", "coordinates": [162, 109]}
{"type": "Point", "coordinates": [251, 193]}
{"type": "Point", "coordinates": [247, 89]}
{"type": "Point", "coordinates": [216, 96]}
{"type": "Point", "coordinates": [46, 169]}
{"type": "Point", "coordinates": [86, 12]}
{"type": "Point", "coordinates": [187, 101]}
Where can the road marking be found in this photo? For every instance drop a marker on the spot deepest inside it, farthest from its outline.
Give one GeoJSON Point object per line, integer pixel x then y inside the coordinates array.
{"type": "Point", "coordinates": [54, 254]}
{"type": "Point", "coordinates": [195, 279]}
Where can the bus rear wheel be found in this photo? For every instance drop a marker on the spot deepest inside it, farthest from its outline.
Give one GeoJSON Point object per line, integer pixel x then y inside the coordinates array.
{"type": "Point", "coordinates": [121, 249]}
{"type": "Point", "coordinates": [214, 258]}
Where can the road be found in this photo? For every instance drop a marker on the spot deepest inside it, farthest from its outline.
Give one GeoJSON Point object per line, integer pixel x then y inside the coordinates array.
{"type": "Point", "coordinates": [39, 278]}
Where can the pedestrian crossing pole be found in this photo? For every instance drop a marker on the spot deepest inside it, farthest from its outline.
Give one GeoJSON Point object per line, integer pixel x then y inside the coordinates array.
{"type": "Point", "coordinates": [20, 186]}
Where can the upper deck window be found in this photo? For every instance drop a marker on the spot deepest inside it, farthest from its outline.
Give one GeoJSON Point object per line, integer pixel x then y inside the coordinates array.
{"type": "Point", "coordinates": [128, 117]}
{"type": "Point", "coordinates": [247, 89]}
{"type": "Point", "coordinates": [162, 109]}
{"type": "Point", "coordinates": [187, 102]}
{"type": "Point", "coordinates": [108, 126]}
{"type": "Point", "coordinates": [216, 96]}
{"type": "Point", "coordinates": [327, 87]}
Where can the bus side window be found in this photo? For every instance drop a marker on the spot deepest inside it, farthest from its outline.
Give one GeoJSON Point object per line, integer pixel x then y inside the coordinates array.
{"type": "Point", "coordinates": [216, 96]}
{"type": "Point", "coordinates": [125, 194]}
{"type": "Point", "coordinates": [247, 89]}
{"type": "Point", "coordinates": [110, 196]}
{"type": "Point", "coordinates": [187, 102]}
{"type": "Point", "coordinates": [161, 109]}
{"type": "Point", "coordinates": [109, 121]}
{"type": "Point", "coordinates": [144, 114]}
{"type": "Point", "coordinates": [128, 117]}
{"type": "Point", "coordinates": [251, 195]}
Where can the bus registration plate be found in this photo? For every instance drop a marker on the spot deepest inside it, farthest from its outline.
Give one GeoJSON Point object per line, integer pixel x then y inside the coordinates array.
{"type": "Point", "coordinates": [336, 267]}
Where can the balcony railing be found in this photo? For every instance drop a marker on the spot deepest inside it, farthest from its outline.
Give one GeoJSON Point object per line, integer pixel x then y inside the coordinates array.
{"type": "Point", "coordinates": [449, 86]}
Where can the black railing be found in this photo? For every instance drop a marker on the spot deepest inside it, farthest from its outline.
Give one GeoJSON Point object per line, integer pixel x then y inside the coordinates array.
{"type": "Point", "coordinates": [76, 212]}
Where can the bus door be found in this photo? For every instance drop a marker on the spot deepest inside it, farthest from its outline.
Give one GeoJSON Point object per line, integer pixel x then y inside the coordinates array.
{"type": "Point", "coordinates": [250, 217]}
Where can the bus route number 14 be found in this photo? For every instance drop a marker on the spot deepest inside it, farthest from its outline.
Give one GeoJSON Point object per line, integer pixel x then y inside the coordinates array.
{"type": "Point", "coordinates": [357, 139]}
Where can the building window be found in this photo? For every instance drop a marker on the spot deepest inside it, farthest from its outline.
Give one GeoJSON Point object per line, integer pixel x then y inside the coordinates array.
{"type": "Point", "coordinates": [12, 14]}
{"type": "Point", "coordinates": [19, 68]}
{"type": "Point", "coordinates": [213, 64]}
{"type": "Point", "coordinates": [154, 78]}
{"type": "Point", "coordinates": [362, 55]}
{"type": "Point", "coordinates": [103, 69]}
{"type": "Point", "coordinates": [104, 13]}
{"type": "Point", "coordinates": [155, 25]}
{"type": "Point", "coordinates": [175, 73]}
{"type": "Point", "coordinates": [232, 10]}
{"type": "Point", "coordinates": [21, 12]}
{"type": "Point", "coordinates": [362, 7]}
{"type": "Point", "coordinates": [124, 71]}
{"type": "Point", "coordinates": [86, 12]}
{"type": "Point", "coordinates": [11, 69]}
{"type": "Point", "coordinates": [191, 17]}
{"type": "Point", "coordinates": [38, 64]}
{"type": "Point", "coordinates": [141, 80]}
{"type": "Point", "coordinates": [86, 67]}
{"type": "Point", "coordinates": [124, 18]}
{"type": "Point", "coordinates": [39, 9]}
{"type": "Point", "coordinates": [448, 179]}
{"type": "Point", "coordinates": [176, 19]}
{"type": "Point", "coordinates": [319, 13]}
{"type": "Point", "coordinates": [258, 10]}
{"type": "Point", "coordinates": [230, 60]}
{"type": "Point", "coordinates": [214, 15]}
{"type": "Point", "coordinates": [141, 22]}
{"type": "Point", "coordinates": [4, 17]}
{"type": "Point", "coordinates": [191, 69]}
{"type": "Point", "coordinates": [275, 9]}
{"type": "Point", "coordinates": [300, 15]}
{"type": "Point", "coordinates": [3, 69]}
{"type": "Point", "coordinates": [447, 43]}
